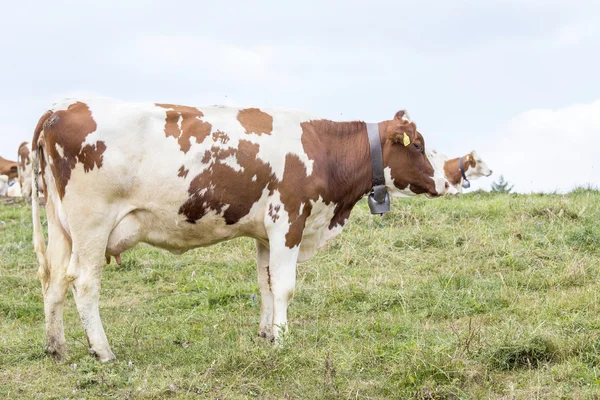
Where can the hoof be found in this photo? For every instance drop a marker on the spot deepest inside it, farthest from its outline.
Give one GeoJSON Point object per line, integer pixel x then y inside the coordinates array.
{"type": "Point", "coordinates": [104, 356]}
{"type": "Point", "coordinates": [267, 336]}
{"type": "Point", "coordinates": [56, 354]}
{"type": "Point", "coordinates": [56, 350]}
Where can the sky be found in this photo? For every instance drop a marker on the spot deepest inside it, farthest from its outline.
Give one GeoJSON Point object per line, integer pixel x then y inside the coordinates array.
{"type": "Point", "coordinates": [516, 80]}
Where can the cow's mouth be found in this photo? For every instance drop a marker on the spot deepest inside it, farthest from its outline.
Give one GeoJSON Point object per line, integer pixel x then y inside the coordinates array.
{"type": "Point", "coordinates": [429, 193]}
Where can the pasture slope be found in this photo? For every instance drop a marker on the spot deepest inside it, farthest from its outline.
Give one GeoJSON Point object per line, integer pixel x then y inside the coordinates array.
{"type": "Point", "coordinates": [483, 296]}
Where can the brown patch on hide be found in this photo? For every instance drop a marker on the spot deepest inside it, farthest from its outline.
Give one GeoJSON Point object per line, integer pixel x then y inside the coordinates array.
{"type": "Point", "coordinates": [207, 157]}
{"type": "Point", "coordinates": [220, 136]}
{"type": "Point", "coordinates": [183, 172]}
{"type": "Point", "coordinates": [225, 190]}
{"type": "Point", "coordinates": [255, 121]}
{"type": "Point", "coordinates": [274, 212]}
{"type": "Point", "coordinates": [184, 123]}
{"type": "Point", "coordinates": [68, 130]}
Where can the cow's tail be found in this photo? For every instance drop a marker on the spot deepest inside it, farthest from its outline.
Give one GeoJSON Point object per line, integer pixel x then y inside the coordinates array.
{"type": "Point", "coordinates": [39, 243]}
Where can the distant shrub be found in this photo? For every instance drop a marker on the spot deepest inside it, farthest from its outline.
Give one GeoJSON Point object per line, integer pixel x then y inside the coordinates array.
{"type": "Point", "coordinates": [501, 186]}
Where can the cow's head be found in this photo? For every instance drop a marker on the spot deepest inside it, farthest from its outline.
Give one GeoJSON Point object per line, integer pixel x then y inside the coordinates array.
{"type": "Point", "coordinates": [477, 167]}
{"type": "Point", "coordinates": [408, 169]}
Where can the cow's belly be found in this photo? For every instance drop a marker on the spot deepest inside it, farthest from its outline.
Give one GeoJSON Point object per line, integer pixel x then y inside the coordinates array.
{"type": "Point", "coordinates": [171, 232]}
{"type": "Point", "coordinates": [161, 225]}
{"type": "Point", "coordinates": [148, 211]}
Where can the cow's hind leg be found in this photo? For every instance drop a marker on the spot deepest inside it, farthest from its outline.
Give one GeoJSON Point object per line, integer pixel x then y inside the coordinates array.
{"type": "Point", "coordinates": [85, 270]}
{"type": "Point", "coordinates": [266, 296]}
{"type": "Point", "coordinates": [54, 285]}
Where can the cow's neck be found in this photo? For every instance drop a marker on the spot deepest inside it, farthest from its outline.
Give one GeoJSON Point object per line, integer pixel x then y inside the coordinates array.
{"type": "Point", "coordinates": [346, 161]}
{"type": "Point", "coordinates": [452, 170]}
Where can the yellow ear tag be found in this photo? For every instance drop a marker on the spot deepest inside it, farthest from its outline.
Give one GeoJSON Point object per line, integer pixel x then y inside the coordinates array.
{"type": "Point", "coordinates": [406, 140]}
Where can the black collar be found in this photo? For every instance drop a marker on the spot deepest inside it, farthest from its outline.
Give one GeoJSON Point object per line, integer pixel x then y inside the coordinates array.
{"type": "Point", "coordinates": [465, 184]}
{"type": "Point", "coordinates": [379, 199]}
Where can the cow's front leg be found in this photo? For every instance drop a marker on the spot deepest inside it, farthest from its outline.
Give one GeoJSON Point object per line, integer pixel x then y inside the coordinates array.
{"type": "Point", "coordinates": [282, 268]}
{"type": "Point", "coordinates": [285, 236]}
{"type": "Point", "coordinates": [266, 296]}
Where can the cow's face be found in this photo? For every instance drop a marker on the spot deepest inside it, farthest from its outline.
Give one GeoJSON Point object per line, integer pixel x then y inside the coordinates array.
{"type": "Point", "coordinates": [478, 167]}
{"type": "Point", "coordinates": [408, 169]}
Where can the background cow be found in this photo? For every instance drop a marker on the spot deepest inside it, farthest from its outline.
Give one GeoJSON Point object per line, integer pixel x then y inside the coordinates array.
{"type": "Point", "coordinates": [24, 161]}
{"type": "Point", "coordinates": [473, 166]}
{"type": "Point", "coordinates": [179, 177]}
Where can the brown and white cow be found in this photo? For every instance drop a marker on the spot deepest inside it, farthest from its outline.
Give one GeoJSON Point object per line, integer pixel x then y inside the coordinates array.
{"type": "Point", "coordinates": [8, 168]}
{"type": "Point", "coordinates": [473, 167]}
{"type": "Point", "coordinates": [24, 161]}
{"type": "Point", "coordinates": [178, 177]}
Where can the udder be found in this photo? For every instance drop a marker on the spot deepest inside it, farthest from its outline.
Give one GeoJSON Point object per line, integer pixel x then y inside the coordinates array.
{"type": "Point", "coordinates": [123, 237]}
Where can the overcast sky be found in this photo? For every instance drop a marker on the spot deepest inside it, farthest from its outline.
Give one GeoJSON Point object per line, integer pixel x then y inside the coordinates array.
{"type": "Point", "coordinates": [516, 80]}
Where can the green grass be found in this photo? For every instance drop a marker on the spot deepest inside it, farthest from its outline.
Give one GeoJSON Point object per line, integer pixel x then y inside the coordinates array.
{"type": "Point", "coordinates": [483, 296]}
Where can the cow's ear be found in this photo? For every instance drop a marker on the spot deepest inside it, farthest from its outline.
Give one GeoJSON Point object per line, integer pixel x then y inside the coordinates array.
{"type": "Point", "coordinates": [471, 160]}
{"type": "Point", "coordinates": [402, 131]}
{"type": "Point", "coordinates": [403, 134]}
{"type": "Point", "coordinates": [402, 115]}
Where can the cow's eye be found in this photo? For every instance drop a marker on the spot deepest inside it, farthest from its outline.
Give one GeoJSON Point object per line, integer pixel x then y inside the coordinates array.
{"type": "Point", "coordinates": [418, 147]}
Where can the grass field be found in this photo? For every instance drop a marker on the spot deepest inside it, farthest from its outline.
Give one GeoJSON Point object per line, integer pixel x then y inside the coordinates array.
{"type": "Point", "coordinates": [483, 296]}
